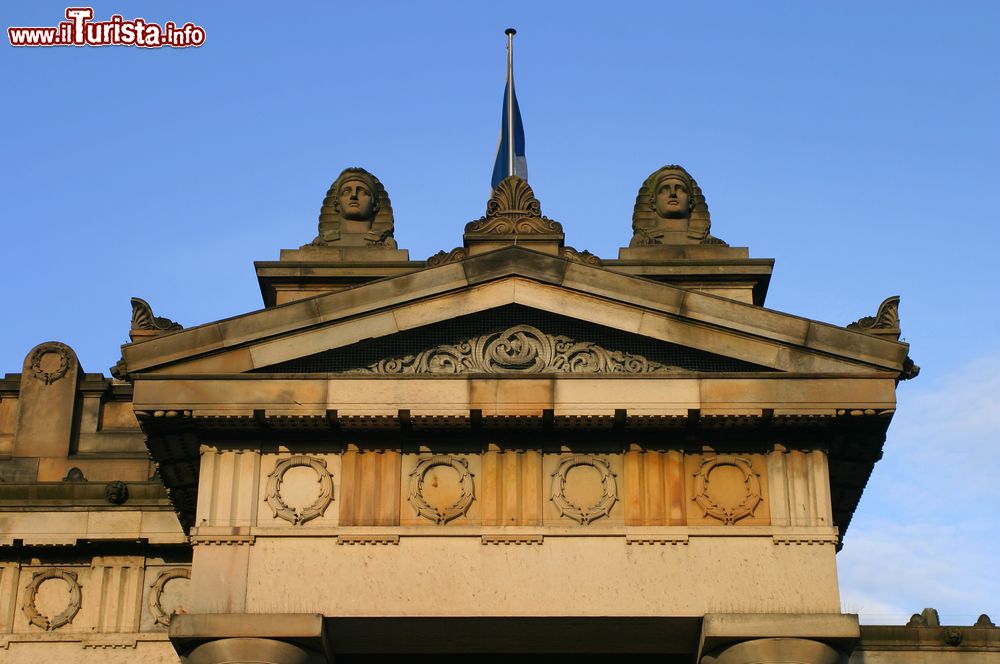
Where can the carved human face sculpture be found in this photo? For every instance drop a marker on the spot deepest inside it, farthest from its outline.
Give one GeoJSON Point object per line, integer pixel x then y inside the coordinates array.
{"type": "Point", "coordinates": [673, 199]}
{"type": "Point", "coordinates": [116, 492]}
{"type": "Point", "coordinates": [356, 200]}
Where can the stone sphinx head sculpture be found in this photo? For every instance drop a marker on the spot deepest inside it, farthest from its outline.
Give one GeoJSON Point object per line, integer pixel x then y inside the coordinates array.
{"type": "Point", "coordinates": [671, 209]}
{"type": "Point", "coordinates": [356, 212]}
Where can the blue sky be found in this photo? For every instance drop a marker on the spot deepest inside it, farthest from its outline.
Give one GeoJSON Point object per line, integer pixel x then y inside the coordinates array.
{"type": "Point", "coordinates": [855, 142]}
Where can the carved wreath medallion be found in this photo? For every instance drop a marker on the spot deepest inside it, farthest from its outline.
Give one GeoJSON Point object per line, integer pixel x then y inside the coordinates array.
{"type": "Point", "coordinates": [66, 616]}
{"type": "Point", "coordinates": [50, 375]}
{"type": "Point", "coordinates": [466, 496]}
{"type": "Point", "coordinates": [296, 517]}
{"type": "Point", "coordinates": [703, 496]}
{"type": "Point", "coordinates": [160, 614]}
{"type": "Point", "coordinates": [584, 514]}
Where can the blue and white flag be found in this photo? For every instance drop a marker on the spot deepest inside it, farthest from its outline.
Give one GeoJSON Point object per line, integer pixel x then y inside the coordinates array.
{"type": "Point", "coordinates": [510, 161]}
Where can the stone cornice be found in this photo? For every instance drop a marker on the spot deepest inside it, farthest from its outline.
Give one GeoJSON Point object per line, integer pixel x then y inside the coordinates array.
{"type": "Point", "coordinates": [624, 290]}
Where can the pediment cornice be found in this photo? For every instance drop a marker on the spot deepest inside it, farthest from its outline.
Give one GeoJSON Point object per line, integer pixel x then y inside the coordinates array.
{"type": "Point", "coordinates": [515, 275]}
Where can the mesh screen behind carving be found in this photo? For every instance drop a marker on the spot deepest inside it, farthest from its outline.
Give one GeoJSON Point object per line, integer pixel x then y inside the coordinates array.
{"type": "Point", "coordinates": [462, 328]}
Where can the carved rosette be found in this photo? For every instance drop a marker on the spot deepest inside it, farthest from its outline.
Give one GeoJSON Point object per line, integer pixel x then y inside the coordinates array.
{"type": "Point", "coordinates": [518, 349]}
{"type": "Point", "coordinates": [160, 615]}
{"type": "Point", "coordinates": [467, 492]}
{"type": "Point", "coordinates": [273, 491]}
{"type": "Point", "coordinates": [728, 515]}
{"type": "Point", "coordinates": [513, 210]}
{"type": "Point", "coordinates": [46, 370]}
{"type": "Point", "coordinates": [584, 514]}
{"type": "Point", "coordinates": [66, 615]}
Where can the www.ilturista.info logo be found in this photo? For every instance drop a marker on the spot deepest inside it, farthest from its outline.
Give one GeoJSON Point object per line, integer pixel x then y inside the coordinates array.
{"type": "Point", "coordinates": [81, 30]}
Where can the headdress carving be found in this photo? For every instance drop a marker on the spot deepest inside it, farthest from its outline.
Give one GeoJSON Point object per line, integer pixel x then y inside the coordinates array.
{"type": "Point", "coordinates": [647, 225]}
{"type": "Point", "coordinates": [382, 223]}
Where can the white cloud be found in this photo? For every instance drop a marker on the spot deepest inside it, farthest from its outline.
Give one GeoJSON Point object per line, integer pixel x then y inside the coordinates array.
{"type": "Point", "coordinates": [963, 402]}
{"type": "Point", "coordinates": [924, 535]}
{"type": "Point", "coordinates": [891, 570]}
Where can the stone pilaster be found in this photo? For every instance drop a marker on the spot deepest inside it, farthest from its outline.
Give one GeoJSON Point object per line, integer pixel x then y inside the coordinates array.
{"type": "Point", "coordinates": [45, 407]}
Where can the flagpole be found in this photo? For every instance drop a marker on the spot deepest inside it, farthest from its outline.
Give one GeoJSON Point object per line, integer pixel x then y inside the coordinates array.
{"type": "Point", "coordinates": [510, 32]}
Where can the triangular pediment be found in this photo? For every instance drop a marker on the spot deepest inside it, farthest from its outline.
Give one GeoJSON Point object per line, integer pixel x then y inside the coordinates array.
{"type": "Point", "coordinates": [512, 339]}
{"type": "Point", "coordinates": [636, 322]}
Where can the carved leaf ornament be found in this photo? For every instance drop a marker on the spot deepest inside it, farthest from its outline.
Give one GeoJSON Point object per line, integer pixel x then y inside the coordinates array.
{"type": "Point", "coordinates": [584, 514]}
{"type": "Point", "coordinates": [467, 492]}
{"type": "Point", "coordinates": [443, 258]}
{"type": "Point", "coordinates": [143, 318]}
{"type": "Point", "coordinates": [513, 210]}
{"type": "Point", "coordinates": [518, 349]}
{"type": "Point", "coordinates": [273, 492]}
{"type": "Point", "coordinates": [729, 515]}
{"type": "Point", "coordinates": [160, 614]}
{"type": "Point", "coordinates": [585, 257]}
{"type": "Point", "coordinates": [887, 317]}
{"type": "Point", "coordinates": [64, 617]}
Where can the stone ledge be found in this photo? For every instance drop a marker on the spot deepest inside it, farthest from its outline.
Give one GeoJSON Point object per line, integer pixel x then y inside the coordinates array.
{"type": "Point", "coordinates": [932, 639]}
{"type": "Point", "coordinates": [109, 640]}
{"type": "Point", "coordinates": [839, 630]}
{"type": "Point", "coordinates": [657, 539]}
{"type": "Point", "coordinates": [513, 539]}
{"type": "Point", "coordinates": [188, 631]}
{"type": "Point", "coordinates": [368, 539]}
{"type": "Point", "coordinates": [631, 535]}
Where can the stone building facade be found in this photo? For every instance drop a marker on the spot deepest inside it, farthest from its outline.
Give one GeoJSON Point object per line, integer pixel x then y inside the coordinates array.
{"type": "Point", "coordinates": [513, 448]}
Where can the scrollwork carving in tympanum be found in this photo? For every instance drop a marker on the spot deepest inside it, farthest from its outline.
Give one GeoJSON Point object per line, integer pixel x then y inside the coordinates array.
{"type": "Point", "coordinates": [584, 514]}
{"type": "Point", "coordinates": [296, 517]}
{"type": "Point", "coordinates": [728, 515]}
{"type": "Point", "coordinates": [160, 614]}
{"type": "Point", "coordinates": [64, 617]}
{"type": "Point", "coordinates": [518, 349]}
{"type": "Point", "coordinates": [467, 489]}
